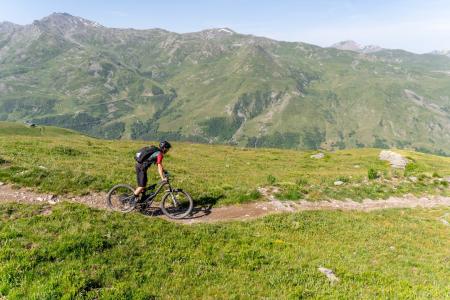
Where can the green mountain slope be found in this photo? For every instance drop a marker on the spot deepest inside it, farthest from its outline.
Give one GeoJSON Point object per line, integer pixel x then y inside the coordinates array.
{"type": "Point", "coordinates": [219, 86]}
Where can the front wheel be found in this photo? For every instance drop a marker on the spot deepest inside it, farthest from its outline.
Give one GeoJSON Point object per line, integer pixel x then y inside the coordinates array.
{"type": "Point", "coordinates": [121, 198]}
{"type": "Point", "coordinates": [177, 204]}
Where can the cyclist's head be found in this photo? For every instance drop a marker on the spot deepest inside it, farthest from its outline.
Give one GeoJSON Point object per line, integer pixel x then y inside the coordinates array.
{"type": "Point", "coordinates": [165, 146]}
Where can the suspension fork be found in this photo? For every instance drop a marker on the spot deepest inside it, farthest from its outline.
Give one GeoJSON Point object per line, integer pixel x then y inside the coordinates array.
{"type": "Point", "coordinates": [174, 200]}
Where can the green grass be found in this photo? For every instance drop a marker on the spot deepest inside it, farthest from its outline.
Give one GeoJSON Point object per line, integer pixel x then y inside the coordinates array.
{"type": "Point", "coordinates": [59, 161]}
{"type": "Point", "coordinates": [81, 253]}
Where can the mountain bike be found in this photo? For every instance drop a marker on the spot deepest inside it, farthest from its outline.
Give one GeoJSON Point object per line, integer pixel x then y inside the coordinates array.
{"type": "Point", "coordinates": [175, 203]}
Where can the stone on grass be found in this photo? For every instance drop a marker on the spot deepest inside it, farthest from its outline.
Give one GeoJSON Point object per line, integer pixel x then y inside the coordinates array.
{"type": "Point", "coordinates": [396, 160]}
{"type": "Point", "coordinates": [1, 183]}
{"type": "Point", "coordinates": [330, 274]}
{"type": "Point", "coordinates": [338, 182]}
{"type": "Point", "coordinates": [318, 156]}
{"type": "Point", "coordinates": [412, 178]}
{"type": "Point", "coordinates": [52, 201]}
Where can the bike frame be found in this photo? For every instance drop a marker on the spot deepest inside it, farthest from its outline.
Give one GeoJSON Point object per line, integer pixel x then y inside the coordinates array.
{"type": "Point", "coordinates": [158, 190]}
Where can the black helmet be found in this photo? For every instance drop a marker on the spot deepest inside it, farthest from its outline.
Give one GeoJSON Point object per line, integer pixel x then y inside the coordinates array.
{"type": "Point", "coordinates": [164, 145]}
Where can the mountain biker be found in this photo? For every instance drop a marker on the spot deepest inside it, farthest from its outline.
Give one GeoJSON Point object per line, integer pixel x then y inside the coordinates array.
{"type": "Point", "coordinates": [154, 155]}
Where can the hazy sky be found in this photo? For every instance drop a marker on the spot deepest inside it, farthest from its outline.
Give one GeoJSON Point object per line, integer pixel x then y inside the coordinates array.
{"type": "Point", "coordinates": [418, 26]}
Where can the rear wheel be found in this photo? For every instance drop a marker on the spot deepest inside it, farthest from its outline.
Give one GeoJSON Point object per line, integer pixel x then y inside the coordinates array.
{"type": "Point", "coordinates": [121, 198]}
{"type": "Point", "coordinates": [177, 204]}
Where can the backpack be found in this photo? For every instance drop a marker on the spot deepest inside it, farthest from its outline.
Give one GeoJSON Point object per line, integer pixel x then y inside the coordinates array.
{"type": "Point", "coordinates": [144, 153]}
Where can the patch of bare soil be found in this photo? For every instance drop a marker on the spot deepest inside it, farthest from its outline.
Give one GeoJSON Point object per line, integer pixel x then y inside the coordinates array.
{"type": "Point", "coordinates": [240, 212]}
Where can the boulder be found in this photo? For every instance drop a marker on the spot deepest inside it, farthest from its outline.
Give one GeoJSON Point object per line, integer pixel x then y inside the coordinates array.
{"type": "Point", "coordinates": [396, 160]}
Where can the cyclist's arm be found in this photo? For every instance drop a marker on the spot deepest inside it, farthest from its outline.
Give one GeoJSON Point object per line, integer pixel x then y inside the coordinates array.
{"type": "Point", "coordinates": [161, 171]}
{"type": "Point", "coordinates": [159, 160]}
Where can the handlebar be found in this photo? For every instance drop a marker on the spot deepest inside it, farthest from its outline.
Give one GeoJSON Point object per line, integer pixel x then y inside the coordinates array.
{"type": "Point", "coordinates": [167, 175]}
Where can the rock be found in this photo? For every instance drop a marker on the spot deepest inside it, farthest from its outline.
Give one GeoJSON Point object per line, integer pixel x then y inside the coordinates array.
{"type": "Point", "coordinates": [445, 178]}
{"type": "Point", "coordinates": [52, 198]}
{"type": "Point", "coordinates": [318, 156]}
{"type": "Point", "coordinates": [330, 274]}
{"type": "Point", "coordinates": [396, 160]}
{"type": "Point", "coordinates": [52, 202]}
{"type": "Point", "coordinates": [39, 199]}
{"type": "Point", "coordinates": [2, 183]}
{"type": "Point", "coordinates": [412, 178]}
{"type": "Point", "coordinates": [356, 166]}
{"type": "Point", "coordinates": [338, 182]}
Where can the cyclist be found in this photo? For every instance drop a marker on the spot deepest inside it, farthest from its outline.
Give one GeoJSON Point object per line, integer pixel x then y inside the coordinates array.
{"type": "Point", "coordinates": [152, 155]}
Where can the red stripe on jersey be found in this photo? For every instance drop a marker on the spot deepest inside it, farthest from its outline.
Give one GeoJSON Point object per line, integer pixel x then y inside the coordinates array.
{"type": "Point", "coordinates": [159, 158]}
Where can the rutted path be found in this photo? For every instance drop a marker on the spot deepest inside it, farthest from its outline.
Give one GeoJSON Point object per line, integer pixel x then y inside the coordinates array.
{"type": "Point", "coordinates": [238, 212]}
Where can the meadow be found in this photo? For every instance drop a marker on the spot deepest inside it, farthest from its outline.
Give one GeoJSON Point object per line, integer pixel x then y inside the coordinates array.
{"type": "Point", "coordinates": [71, 251]}
{"type": "Point", "coordinates": [76, 252]}
{"type": "Point", "coordinates": [63, 162]}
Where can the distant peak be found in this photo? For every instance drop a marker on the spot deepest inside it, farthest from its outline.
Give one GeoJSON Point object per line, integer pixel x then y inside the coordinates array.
{"type": "Point", "coordinates": [347, 45]}
{"type": "Point", "coordinates": [445, 52]}
{"type": "Point", "coordinates": [219, 31]}
{"type": "Point", "coordinates": [226, 30]}
{"type": "Point", "coordinates": [350, 45]}
{"type": "Point", "coordinates": [8, 26]}
{"type": "Point", "coordinates": [65, 19]}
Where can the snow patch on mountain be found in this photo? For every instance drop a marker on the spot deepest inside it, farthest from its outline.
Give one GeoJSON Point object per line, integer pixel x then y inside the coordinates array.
{"type": "Point", "coordinates": [350, 45]}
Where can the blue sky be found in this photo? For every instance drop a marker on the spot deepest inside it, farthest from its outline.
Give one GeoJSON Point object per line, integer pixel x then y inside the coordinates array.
{"type": "Point", "coordinates": [418, 26]}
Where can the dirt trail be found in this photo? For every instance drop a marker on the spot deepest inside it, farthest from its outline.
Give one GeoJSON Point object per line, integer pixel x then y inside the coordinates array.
{"type": "Point", "coordinates": [237, 212]}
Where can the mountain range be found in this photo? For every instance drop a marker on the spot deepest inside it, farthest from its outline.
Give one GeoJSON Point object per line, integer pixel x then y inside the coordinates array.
{"type": "Point", "coordinates": [219, 86]}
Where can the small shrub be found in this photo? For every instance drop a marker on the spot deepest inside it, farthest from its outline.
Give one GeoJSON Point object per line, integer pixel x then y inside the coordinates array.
{"type": "Point", "coordinates": [271, 179]}
{"type": "Point", "coordinates": [410, 168]}
{"type": "Point", "coordinates": [436, 175]}
{"type": "Point", "coordinates": [372, 174]}
{"type": "Point", "coordinates": [249, 196]}
{"type": "Point", "coordinates": [290, 194]}
{"type": "Point", "coordinates": [343, 179]}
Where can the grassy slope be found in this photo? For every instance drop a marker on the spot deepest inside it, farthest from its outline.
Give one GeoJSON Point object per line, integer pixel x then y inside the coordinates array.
{"type": "Point", "coordinates": [60, 161]}
{"type": "Point", "coordinates": [84, 253]}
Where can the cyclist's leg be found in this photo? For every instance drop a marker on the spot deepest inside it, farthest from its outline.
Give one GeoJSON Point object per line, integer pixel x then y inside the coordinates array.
{"type": "Point", "coordinates": [141, 177]}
